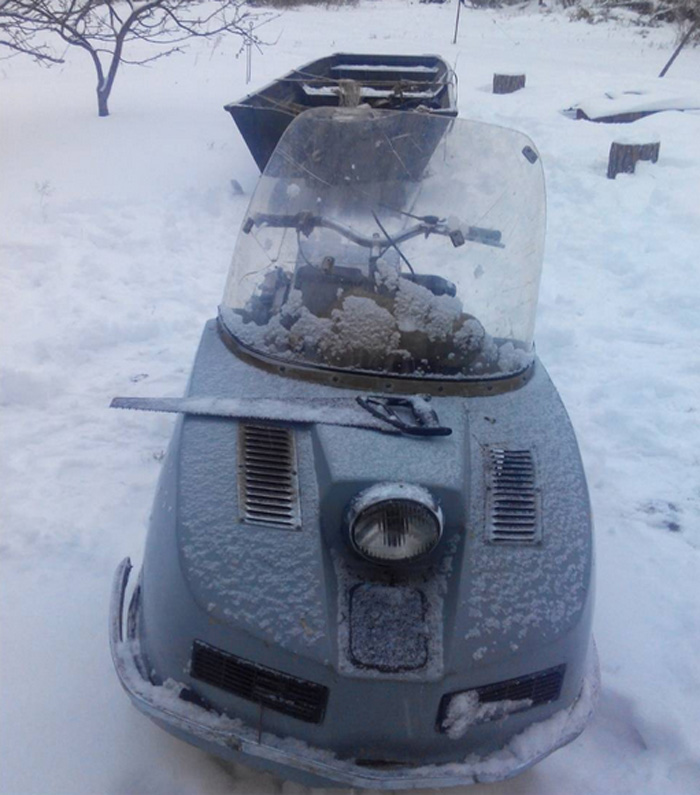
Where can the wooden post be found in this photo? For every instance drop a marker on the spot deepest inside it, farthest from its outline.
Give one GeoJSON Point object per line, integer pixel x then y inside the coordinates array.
{"type": "Point", "coordinates": [507, 84]}
{"type": "Point", "coordinates": [249, 53]}
{"type": "Point", "coordinates": [624, 156]}
{"type": "Point", "coordinates": [459, 8]}
{"type": "Point", "coordinates": [678, 49]}
{"type": "Point", "coordinates": [349, 93]}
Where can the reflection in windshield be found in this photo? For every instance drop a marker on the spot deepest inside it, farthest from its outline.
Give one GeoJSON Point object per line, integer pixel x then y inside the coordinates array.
{"type": "Point", "coordinates": [353, 254]}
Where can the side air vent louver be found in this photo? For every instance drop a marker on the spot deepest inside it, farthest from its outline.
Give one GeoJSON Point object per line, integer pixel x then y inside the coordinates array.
{"type": "Point", "coordinates": [279, 691]}
{"type": "Point", "coordinates": [513, 510]}
{"type": "Point", "coordinates": [268, 483]}
{"type": "Point", "coordinates": [495, 701]}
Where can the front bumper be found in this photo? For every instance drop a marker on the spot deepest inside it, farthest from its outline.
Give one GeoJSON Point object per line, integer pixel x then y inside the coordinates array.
{"type": "Point", "coordinates": [290, 758]}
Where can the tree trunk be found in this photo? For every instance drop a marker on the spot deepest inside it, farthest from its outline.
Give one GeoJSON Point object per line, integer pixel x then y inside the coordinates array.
{"type": "Point", "coordinates": [507, 84]}
{"type": "Point", "coordinates": [623, 157]}
{"type": "Point", "coordinates": [102, 97]}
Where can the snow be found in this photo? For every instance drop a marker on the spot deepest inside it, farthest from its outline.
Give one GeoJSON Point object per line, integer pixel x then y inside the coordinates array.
{"type": "Point", "coordinates": [365, 91]}
{"type": "Point", "coordinates": [465, 711]}
{"type": "Point", "coordinates": [368, 67]}
{"type": "Point", "coordinates": [417, 308]}
{"type": "Point", "coordinates": [412, 629]}
{"type": "Point", "coordinates": [524, 749]}
{"type": "Point", "coordinates": [116, 239]}
{"type": "Point", "coordinates": [361, 327]}
{"type": "Point", "coordinates": [362, 334]}
{"type": "Point", "coordinates": [345, 412]}
{"type": "Point", "coordinates": [648, 95]}
{"type": "Point", "coordinates": [388, 630]}
{"type": "Point", "coordinates": [381, 492]}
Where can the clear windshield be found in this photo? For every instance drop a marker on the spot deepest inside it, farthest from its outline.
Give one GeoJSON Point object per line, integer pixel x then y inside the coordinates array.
{"type": "Point", "coordinates": [392, 242]}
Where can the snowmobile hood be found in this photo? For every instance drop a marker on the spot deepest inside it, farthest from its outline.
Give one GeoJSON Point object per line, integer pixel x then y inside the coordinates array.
{"type": "Point", "coordinates": [301, 587]}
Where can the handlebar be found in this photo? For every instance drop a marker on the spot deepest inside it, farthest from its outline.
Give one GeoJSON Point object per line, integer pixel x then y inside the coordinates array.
{"type": "Point", "coordinates": [305, 222]}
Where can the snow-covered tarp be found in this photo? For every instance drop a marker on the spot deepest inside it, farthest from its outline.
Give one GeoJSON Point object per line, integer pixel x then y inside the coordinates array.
{"type": "Point", "coordinates": [640, 99]}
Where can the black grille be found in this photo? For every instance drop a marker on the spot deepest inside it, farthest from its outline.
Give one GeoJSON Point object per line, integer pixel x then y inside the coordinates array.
{"type": "Point", "coordinates": [278, 691]}
{"type": "Point", "coordinates": [513, 499]}
{"type": "Point", "coordinates": [539, 688]}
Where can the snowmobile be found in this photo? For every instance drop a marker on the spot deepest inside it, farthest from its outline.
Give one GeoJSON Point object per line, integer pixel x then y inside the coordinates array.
{"type": "Point", "coordinates": [370, 558]}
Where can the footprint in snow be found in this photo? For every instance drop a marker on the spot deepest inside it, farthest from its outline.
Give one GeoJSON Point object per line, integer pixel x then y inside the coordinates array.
{"type": "Point", "coordinates": [663, 514]}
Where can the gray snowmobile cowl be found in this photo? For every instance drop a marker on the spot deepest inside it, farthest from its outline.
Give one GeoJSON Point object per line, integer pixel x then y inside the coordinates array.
{"type": "Point", "coordinates": [369, 569]}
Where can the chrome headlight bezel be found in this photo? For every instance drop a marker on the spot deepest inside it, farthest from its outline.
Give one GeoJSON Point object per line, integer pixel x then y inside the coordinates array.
{"type": "Point", "coordinates": [396, 496]}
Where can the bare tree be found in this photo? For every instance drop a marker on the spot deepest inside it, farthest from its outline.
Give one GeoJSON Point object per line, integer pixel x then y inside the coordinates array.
{"type": "Point", "coordinates": [115, 32]}
{"type": "Point", "coordinates": [20, 36]}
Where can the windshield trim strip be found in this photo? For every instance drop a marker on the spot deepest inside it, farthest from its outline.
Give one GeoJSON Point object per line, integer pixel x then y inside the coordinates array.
{"type": "Point", "coordinates": [372, 382]}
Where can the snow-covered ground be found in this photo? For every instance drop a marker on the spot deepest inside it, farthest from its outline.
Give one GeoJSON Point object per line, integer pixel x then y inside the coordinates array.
{"type": "Point", "coordinates": [116, 236]}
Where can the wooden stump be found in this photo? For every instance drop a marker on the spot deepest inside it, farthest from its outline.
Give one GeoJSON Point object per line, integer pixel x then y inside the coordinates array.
{"type": "Point", "coordinates": [624, 156]}
{"type": "Point", "coordinates": [507, 84]}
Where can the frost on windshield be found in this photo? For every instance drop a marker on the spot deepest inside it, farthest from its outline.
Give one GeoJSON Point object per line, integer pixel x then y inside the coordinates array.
{"type": "Point", "coordinates": [353, 255]}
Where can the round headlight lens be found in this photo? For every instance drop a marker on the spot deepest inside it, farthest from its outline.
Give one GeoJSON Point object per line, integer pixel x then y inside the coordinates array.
{"type": "Point", "coordinates": [393, 523]}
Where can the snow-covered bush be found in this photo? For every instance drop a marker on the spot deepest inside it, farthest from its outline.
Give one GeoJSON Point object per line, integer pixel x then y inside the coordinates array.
{"type": "Point", "coordinates": [297, 3]}
{"type": "Point", "coordinates": [644, 13]}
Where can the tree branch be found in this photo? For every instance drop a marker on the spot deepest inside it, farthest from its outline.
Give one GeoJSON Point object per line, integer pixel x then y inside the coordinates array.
{"type": "Point", "coordinates": [38, 53]}
{"type": "Point", "coordinates": [105, 28]}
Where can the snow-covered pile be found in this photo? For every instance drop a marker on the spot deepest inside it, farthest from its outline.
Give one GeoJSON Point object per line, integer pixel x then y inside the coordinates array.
{"type": "Point", "coordinates": [116, 238]}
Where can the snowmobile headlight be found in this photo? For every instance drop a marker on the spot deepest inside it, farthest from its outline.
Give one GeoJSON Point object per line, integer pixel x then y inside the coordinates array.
{"type": "Point", "coordinates": [395, 523]}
